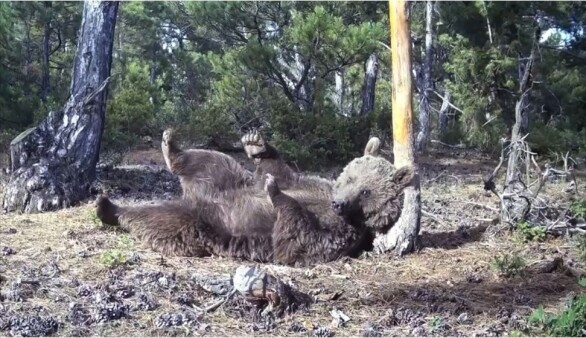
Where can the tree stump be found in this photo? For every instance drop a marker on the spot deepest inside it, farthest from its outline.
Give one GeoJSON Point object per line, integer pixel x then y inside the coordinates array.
{"type": "Point", "coordinates": [53, 164]}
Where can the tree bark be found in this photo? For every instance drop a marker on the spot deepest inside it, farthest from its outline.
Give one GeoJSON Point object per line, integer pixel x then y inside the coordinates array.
{"type": "Point", "coordinates": [403, 236]}
{"type": "Point", "coordinates": [27, 59]}
{"type": "Point", "coordinates": [370, 77]}
{"type": "Point", "coordinates": [443, 114]}
{"type": "Point", "coordinates": [45, 81]}
{"type": "Point", "coordinates": [424, 101]}
{"type": "Point", "coordinates": [54, 163]}
{"type": "Point", "coordinates": [339, 93]}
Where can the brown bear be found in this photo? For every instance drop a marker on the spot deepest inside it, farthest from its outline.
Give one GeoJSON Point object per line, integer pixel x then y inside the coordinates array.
{"type": "Point", "coordinates": [205, 172]}
{"type": "Point", "coordinates": [307, 224]}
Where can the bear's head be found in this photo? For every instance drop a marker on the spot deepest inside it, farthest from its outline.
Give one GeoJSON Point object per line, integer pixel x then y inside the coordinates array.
{"type": "Point", "coordinates": [369, 191]}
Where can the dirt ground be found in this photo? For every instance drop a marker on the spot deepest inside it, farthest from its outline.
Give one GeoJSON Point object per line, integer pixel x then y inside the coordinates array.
{"type": "Point", "coordinates": [57, 277]}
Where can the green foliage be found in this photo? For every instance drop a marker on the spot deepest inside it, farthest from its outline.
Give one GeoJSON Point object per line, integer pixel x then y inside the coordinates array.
{"type": "Point", "coordinates": [472, 69]}
{"type": "Point", "coordinates": [113, 258]}
{"type": "Point", "coordinates": [215, 69]}
{"type": "Point", "coordinates": [578, 209]}
{"type": "Point", "coordinates": [316, 141]}
{"type": "Point", "coordinates": [531, 232]}
{"type": "Point", "coordinates": [6, 136]}
{"type": "Point", "coordinates": [569, 323]}
{"type": "Point", "coordinates": [436, 324]}
{"type": "Point", "coordinates": [131, 111]}
{"type": "Point", "coordinates": [548, 140]}
{"type": "Point", "coordinates": [117, 256]}
{"type": "Point", "coordinates": [93, 216]}
{"type": "Point", "coordinates": [509, 265]}
{"type": "Point", "coordinates": [126, 242]}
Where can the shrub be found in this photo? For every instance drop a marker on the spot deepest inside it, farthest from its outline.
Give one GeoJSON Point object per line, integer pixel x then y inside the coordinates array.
{"type": "Point", "coordinates": [578, 209]}
{"type": "Point", "coordinates": [314, 141]}
{"type": "Point", "coordinates": [570, 323]}
{"type": "Point", "coordinates": [531, 232]}
{"type": "Point", "coordinates": [509, 265]}
{"type": "Point", "coordinates": [113, 258]}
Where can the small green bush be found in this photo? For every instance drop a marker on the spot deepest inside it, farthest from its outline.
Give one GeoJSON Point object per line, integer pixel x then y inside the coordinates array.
{"type": "Point", "coordinates": [570, 323]}
{"type": "Point", "coordinates": [530, 232]}
{"type": "Point", "coordinates": [113, 258]}
{"type": "Point", "coordinates": [547, 141]}
{"type": "Point", "coordinates": [118, 256]}
{"type": "Point", "coordinates": [509, 265]}
{"type": "Point", "coordinates": [578, 209]}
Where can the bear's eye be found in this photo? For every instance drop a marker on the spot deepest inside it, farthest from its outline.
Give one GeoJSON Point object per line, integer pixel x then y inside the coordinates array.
{"type": "Point", "coordinates": [365, 193]}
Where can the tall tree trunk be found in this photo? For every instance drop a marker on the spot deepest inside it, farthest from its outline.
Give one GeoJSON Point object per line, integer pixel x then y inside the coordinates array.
{"type": "Point", "coordinates": [27, 59]}
{"type": "Point", "coordinates": [339, 92]}
{"type": "Point", "coordinates": [45, 81]}
{"type": "Point", "coordinates": [55, 162]}
{"type": "Point", "coordinates": [370, 77]}
{"type": "Point", "coordinates": [488, 28]}
{"type": "Point", "coordinates": [403, 236]}
{"type": "Point", "coordinates": [424, 101]}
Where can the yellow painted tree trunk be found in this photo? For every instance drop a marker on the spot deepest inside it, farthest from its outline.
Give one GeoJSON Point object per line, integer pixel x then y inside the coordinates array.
{"type": "Point", "coordinates": [403, 236]}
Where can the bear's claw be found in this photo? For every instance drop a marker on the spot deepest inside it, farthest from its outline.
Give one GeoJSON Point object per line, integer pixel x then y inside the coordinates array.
{"type": "Point", "coordinates": [254, 143]}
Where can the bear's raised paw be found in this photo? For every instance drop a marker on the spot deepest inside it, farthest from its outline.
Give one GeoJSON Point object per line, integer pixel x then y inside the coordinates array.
{"type": "Point", "coordinates": [254, 143]}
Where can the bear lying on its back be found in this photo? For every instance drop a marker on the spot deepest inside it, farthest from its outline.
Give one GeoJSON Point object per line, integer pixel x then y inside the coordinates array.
{"type": "Point", "coordinates": [313, 221]}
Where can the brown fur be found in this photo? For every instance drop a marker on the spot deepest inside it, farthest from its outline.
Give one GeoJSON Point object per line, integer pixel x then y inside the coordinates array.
{"type": "Point", "coordinates": [300, 238]}
{"type": "Point", "coordinates": [298, 227]}
{"type": "Point", "coordinates": [203, 172]}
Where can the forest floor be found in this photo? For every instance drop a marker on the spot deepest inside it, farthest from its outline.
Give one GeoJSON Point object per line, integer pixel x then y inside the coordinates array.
{"type": "Point", "coordinates": [63, 273]}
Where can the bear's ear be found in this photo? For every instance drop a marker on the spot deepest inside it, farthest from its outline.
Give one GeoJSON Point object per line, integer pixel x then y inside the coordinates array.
{"type": "Point", "coordinates": [403, 176]}
{"type": "Point", "coordinates": [372, 147]}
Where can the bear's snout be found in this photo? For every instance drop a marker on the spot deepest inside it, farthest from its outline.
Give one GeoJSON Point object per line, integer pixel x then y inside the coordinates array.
{"type": "Point", "coordinates": [339, 206]}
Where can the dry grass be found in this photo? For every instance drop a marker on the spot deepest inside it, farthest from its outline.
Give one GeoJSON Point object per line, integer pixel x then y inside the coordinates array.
{"type": "Point", "coordinates": [450, 287]}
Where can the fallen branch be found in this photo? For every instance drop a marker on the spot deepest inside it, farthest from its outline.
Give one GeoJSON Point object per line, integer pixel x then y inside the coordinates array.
{"type": "Point", "coordinates": [432, 216]}
{"type": "Point", "coordinates": [478, 204]}
{"type": "Point", "coordinates": [453, 146]}
{"type": "Point", "coordinates": [448, 101]}
{"type": "Point", "coordinates": [217, 304]}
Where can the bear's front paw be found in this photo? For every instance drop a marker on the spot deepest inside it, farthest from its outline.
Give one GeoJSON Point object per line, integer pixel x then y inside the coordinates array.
{"type": "Point", "coordinates": [168, 136]}
{"type": "Point", "coordinates": [254, 143]}
{"type": "Point", "coordinates": [271, 185]}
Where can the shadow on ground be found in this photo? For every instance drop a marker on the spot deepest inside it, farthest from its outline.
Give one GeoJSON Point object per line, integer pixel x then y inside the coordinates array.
{"type": "Point", "coordinates": [469, 302]}
{"type": "Point", "coordinates": [452, 239]}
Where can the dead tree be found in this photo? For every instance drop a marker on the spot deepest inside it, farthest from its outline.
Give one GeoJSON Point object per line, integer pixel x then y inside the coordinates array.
{"type": "Point", "coordinates": [53, 164]}
{"type": "Point", "coordinates": [520, 200]}
{"type": "Point", "coordinates": [427, 82]}
{"type": "Point", "coordinates": [370, 77]}
{"type": "Point", "coordinates": [403, 236]}
{"type": "Point", "coordinates": [516, 197]}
